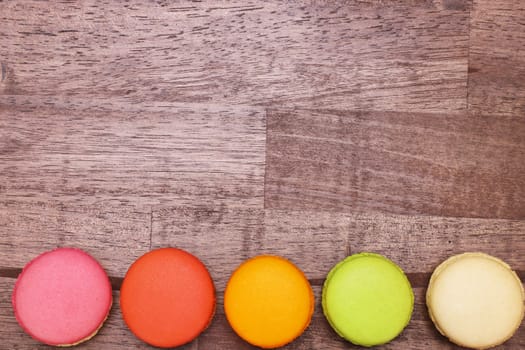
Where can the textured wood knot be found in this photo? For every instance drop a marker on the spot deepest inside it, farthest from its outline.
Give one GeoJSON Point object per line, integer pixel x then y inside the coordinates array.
{"type": "Point", "coordinates": [455, 5]}
{"type": "Point", "coordinates": [4, 71]}
{"type": "Point", "coordinates": [10, 145]}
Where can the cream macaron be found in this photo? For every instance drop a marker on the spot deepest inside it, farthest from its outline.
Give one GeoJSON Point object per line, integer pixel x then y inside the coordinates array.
{"type": "Point", "coordinates": [475, 300]}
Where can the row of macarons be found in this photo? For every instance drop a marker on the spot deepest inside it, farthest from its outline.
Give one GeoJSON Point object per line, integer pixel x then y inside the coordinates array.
{"type": "Point", "coordinates": [167, 299]}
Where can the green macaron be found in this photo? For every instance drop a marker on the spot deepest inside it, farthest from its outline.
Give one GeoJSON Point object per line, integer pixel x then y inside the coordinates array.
{"type": "Point", "coordinates": [367, 299]}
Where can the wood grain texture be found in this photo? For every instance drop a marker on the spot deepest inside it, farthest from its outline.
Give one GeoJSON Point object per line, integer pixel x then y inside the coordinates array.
{"type": "Point", "coordinates": [405, 163]}
{"type": "Point", "coordinates": [393, 55]}
{"type": "Point", "coordinates": [114, 236]}
{"type": "Point", "coordinates": [220, 237]}
{"type": "Point", "coordinates": [317, 240]}
{"type": "Point", "coordinates": [119, 152]}
{"type": "Point", "coordinates": [420, 243]}
{"type": "Point", "coordinates": [497, 58]}
{"type": "Point", "coordinates": [223, 238]}
{"type": "Point", "coordinates": [313, 240]}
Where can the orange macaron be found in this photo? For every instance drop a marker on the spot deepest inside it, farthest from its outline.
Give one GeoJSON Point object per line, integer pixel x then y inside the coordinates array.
{"type": "Point", "coordinates": [167, 297]}
{"type": "Point", "coordinates": [268, 301]}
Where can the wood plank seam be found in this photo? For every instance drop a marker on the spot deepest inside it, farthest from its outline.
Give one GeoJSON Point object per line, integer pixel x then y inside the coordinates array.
{"type": "Point", "coordinates": [468, 53]}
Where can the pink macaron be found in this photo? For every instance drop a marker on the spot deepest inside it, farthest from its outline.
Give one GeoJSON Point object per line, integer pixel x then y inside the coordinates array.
{"type": "Point", "coordinates": [62, 297]}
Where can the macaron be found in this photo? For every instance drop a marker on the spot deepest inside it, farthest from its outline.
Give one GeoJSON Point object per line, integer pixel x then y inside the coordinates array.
{"type": "Point", "coordinates": [268, 301]}
{"type": "Point", "coordinates": [62, 297]}
{"type": "Point", "coordinates": [167, 297]}
{"type": "Point", "coordinates": [367, 299]}
{"type": "Point", "coordinates": [475, 300]}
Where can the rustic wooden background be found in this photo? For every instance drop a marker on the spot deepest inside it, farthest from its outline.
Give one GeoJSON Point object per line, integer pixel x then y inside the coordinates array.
{"type": "Point", "coordinates": [310, 129]}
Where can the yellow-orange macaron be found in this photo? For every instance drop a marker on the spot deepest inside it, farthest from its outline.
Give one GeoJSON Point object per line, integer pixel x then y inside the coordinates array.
{"type": "Point", "coordinates": [268, 301]}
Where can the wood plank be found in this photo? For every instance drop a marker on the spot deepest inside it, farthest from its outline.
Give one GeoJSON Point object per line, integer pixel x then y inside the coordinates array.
{"type": "Point", "coordinates": [114, 334]}
{"type": "Point", "coordinates": [220, 237]}
{"type": "Point", "coordinates": [224, 237]}
{"type": "Point", "coordinates": [497, 58]}
{"type": "Point", "coordinates": [314, 241]}
{"type": "Point", "coordinates": [114, 236]}
{"type": "Point", "coordinates": [67, 150]}
{"type": "Point", "coordinates": [420, 243]}
{"type": "Point", "coordinates": [404, 163]}
{"type": "Point", "coordinates": [382, 55]}
{"type": "Point", "coordinates": [317, 240]}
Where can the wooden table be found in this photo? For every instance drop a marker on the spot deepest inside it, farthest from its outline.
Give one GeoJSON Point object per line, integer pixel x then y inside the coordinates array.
{"type": "Point", "coordinates": [309, 129]}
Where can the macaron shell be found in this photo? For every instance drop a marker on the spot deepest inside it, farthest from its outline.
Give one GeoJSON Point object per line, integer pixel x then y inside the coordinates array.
{"type": "Point", "coordinates": [167, 297]}
{"type": "Point", "coordinates": [62, 297]}
{"type": "Point", "coordinates": [476, 300]}
{"type": "Point", "coordinates": [89, 337]}
{"type": "Point", "coordinates": [268, 301]}
{"type": "Point", "coordinates": [367, 299]}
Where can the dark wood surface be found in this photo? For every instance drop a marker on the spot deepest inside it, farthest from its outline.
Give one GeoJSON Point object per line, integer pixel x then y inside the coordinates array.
{"type": "Point", "coordinates": [406, 163]}
{"type": "Point", "coordinates": [308, 129]}
{"type": "Point", "coordinates": [497, 58]}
